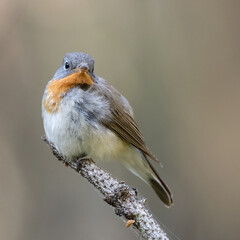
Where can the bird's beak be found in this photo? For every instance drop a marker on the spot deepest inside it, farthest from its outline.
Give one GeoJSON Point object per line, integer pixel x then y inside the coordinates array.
{"type": "Point", "coordinates": [83, 74]}
{"type": "Point", "coordinates": [82, 68]}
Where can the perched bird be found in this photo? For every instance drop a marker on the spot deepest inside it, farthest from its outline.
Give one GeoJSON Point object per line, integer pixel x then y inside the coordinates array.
{"type": "Point", "coordinates": [84, 116]}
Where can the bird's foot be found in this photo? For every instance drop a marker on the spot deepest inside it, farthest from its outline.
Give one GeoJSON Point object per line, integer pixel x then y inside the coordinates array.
{"type": "Point", "coordinates": [79, 160]}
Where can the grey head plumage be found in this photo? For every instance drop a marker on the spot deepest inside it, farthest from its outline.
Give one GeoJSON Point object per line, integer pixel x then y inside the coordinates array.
{"type": "Point", "coordinates": [72, 61]}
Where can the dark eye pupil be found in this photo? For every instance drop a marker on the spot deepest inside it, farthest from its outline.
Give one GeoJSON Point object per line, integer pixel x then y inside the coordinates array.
{"type": "Point", "coordinates": [67, 65]}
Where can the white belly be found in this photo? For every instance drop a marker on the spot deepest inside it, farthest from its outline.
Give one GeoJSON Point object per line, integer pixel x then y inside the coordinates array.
{"type": "Point", "coordinates": [73, 135]}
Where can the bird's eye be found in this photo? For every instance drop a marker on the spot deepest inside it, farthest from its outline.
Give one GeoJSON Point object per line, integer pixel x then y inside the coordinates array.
{"type": "Point", "coordinates": [67, 65]}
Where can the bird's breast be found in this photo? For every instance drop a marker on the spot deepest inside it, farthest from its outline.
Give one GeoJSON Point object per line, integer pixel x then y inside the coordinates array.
{"type": "Point", "coordinates": [76, 127]}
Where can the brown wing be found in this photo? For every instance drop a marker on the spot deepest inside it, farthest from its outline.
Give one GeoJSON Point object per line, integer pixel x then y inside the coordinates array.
{"type": "Point", "coordinates": [121, 122]}
{"type": "Point", "coordinates": [125, 127]}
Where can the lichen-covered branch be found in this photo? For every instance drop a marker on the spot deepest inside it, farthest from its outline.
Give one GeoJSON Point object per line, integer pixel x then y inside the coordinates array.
{"type": "Point", "coordinates": [116, 193]}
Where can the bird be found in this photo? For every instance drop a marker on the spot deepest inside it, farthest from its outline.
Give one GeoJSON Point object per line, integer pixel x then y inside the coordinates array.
{"type": "Point", "coordinates": [85, 116]}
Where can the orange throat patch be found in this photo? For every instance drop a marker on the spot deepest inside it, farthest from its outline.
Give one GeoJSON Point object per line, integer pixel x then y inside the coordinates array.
{"type": "Point", "coordinates": [57, 88]}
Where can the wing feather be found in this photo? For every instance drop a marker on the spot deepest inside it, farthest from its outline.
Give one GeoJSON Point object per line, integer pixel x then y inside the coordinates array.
{"type": "Point", "coordinates": [121, 121]}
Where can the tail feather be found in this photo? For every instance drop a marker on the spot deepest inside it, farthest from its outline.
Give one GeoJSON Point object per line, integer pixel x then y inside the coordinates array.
{"type": "Point", "coordinates": [161, 192]}
{"type": "Point", "coordinates": [159, 186]}
{"type": "Point", "coordinates": [138, 163]}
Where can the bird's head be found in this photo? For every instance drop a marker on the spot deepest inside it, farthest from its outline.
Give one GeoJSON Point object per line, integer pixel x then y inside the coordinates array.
{"type": "Point", "coordinates": [75, 62]}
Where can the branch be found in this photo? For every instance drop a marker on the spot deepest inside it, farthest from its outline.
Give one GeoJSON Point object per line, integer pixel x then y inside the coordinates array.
{"type": "Point", "coordinates": [117, 194]}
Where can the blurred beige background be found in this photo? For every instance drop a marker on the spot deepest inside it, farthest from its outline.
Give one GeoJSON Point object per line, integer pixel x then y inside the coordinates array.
{"type": "Point", "coordinates": [178, 63]}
